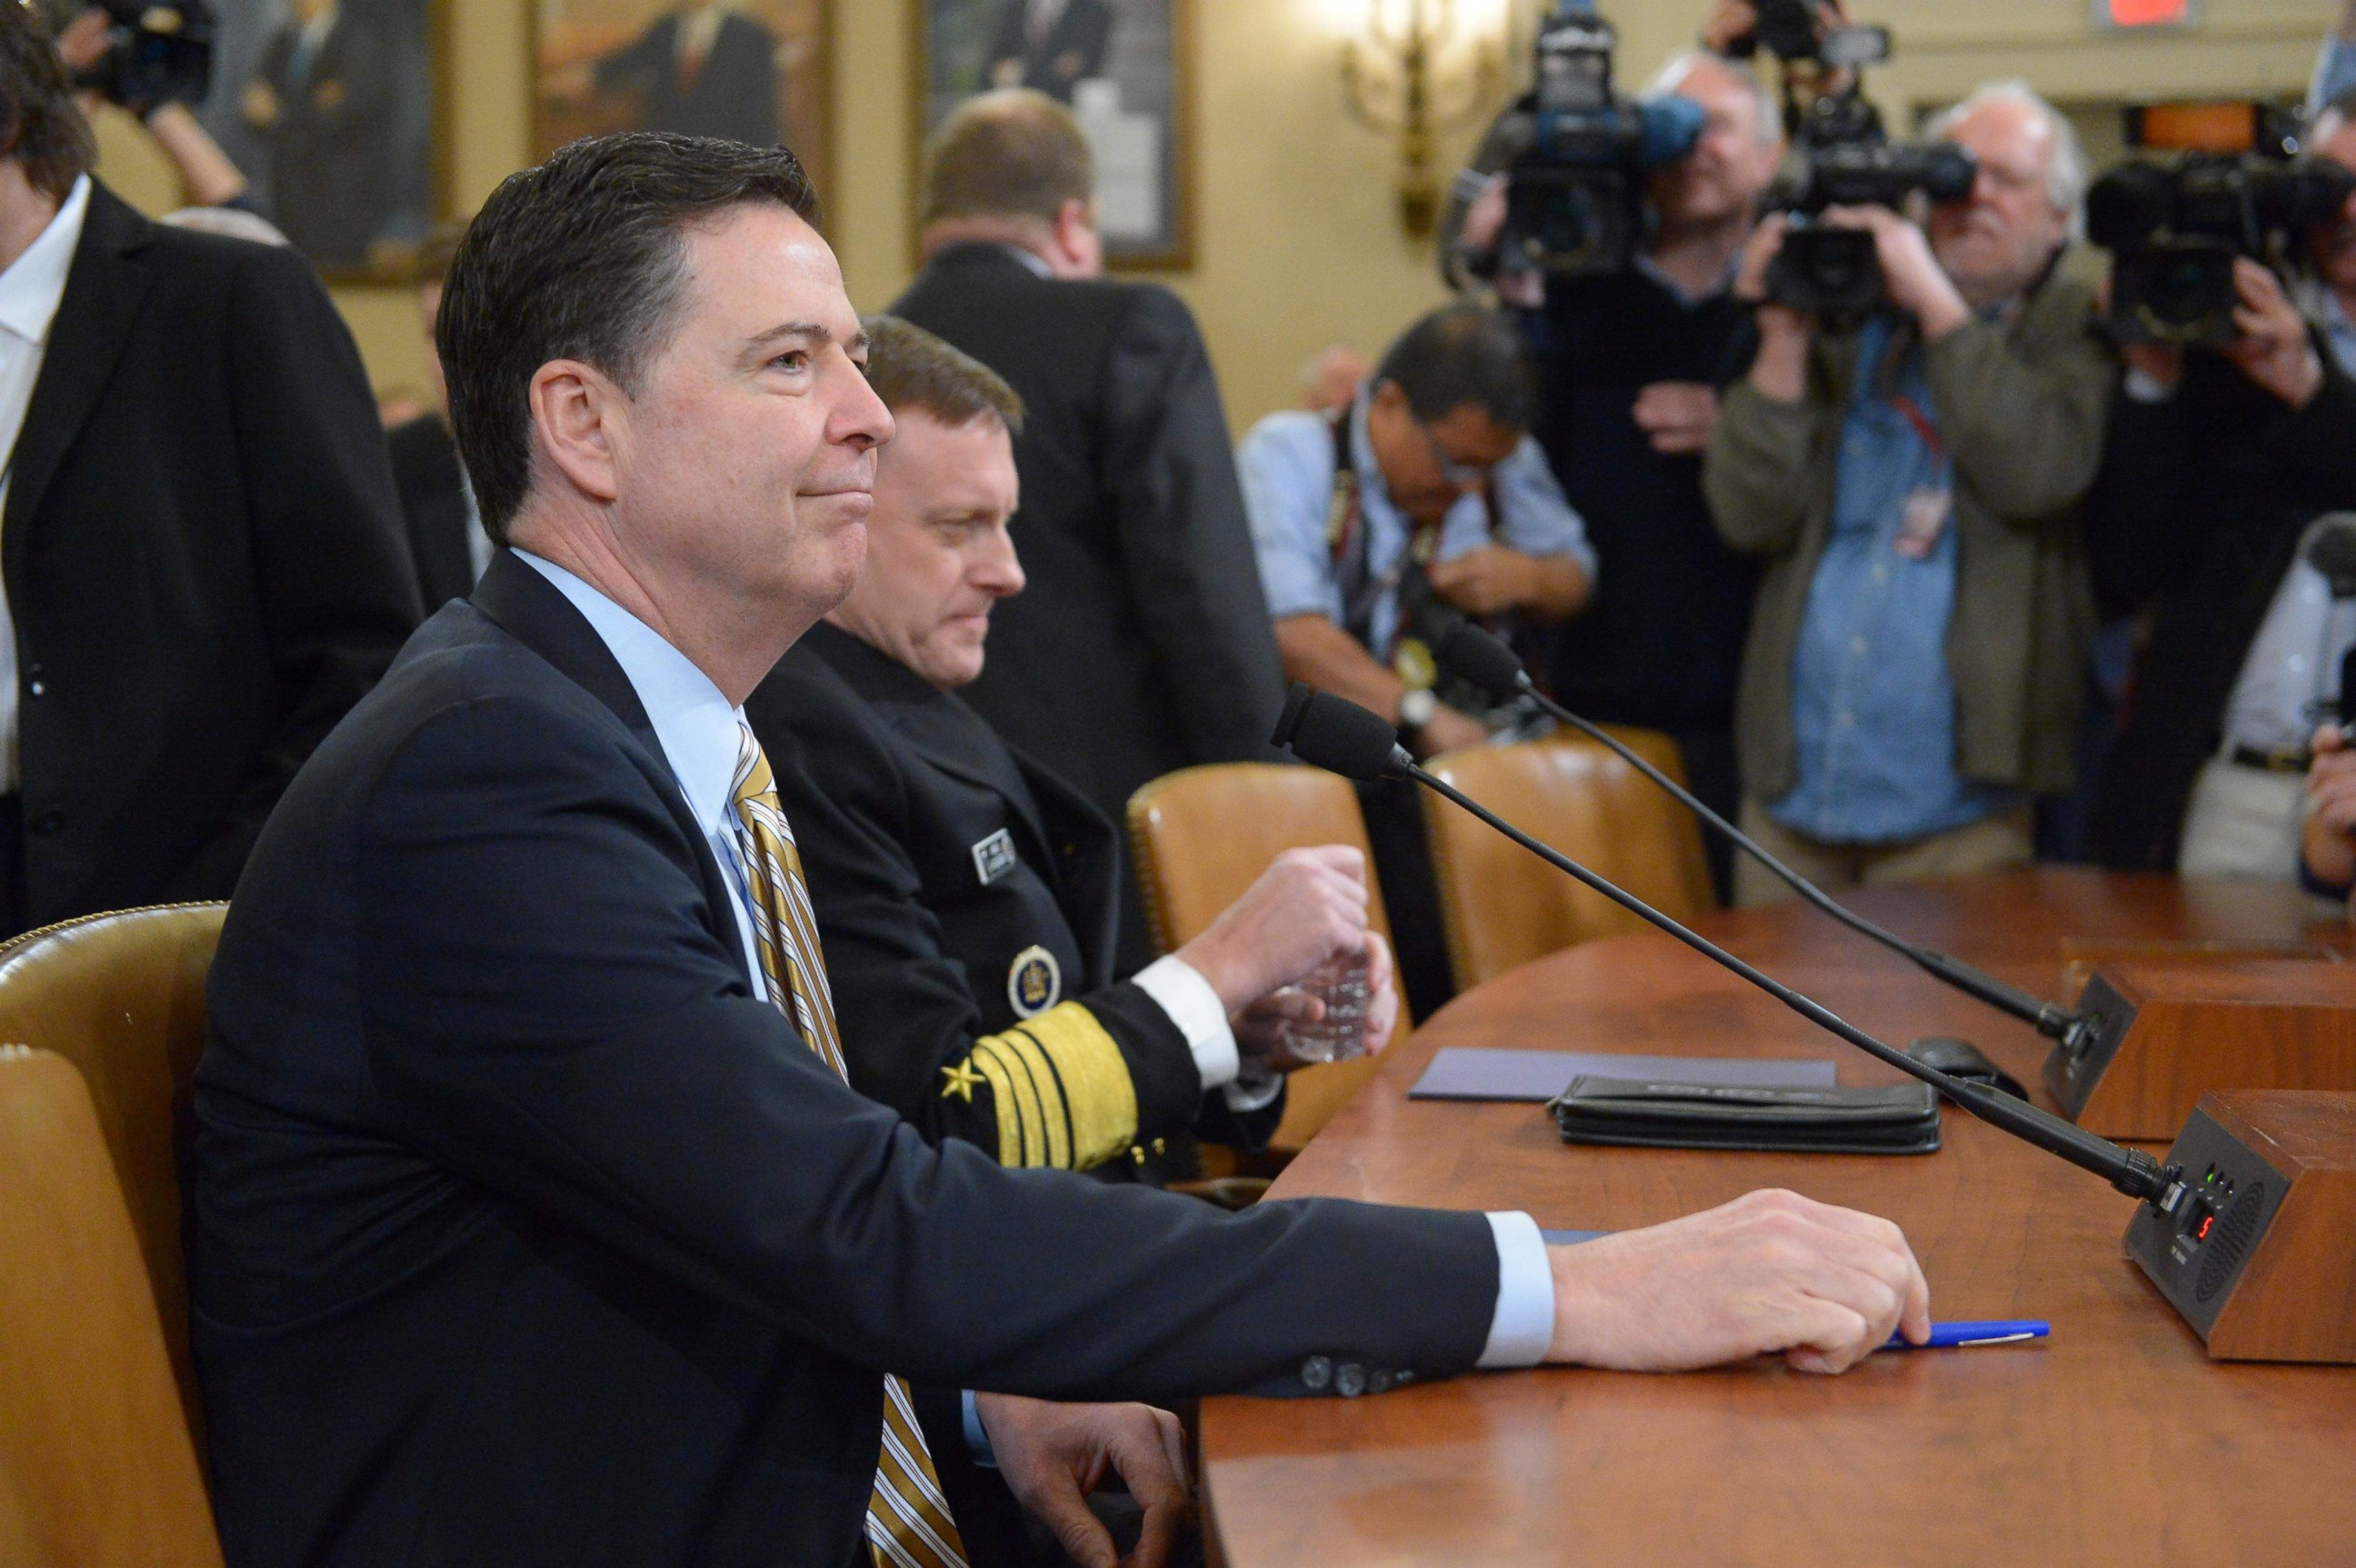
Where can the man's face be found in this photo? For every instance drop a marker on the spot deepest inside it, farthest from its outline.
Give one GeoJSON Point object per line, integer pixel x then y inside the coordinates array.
{"type": "Point", "coordinates": [1996, 243]}
{"type": "Point", "coordinates": [1429, 466]}
{"type": "Point", "coordinates": [2334, 244]}
{"type": "Point", "coordinates": [938, 554]}
{"type": "Point", "coordinates": [1728, 168]}
{"type": "Point", "coordinates": [745, 465]}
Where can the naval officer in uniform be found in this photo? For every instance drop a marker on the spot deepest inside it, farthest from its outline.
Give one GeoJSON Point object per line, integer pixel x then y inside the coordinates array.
{"type": "Point", "coordinates": [966, 898]}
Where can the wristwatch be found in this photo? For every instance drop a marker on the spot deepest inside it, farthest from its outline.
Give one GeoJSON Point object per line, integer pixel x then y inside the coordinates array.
{"type": "Point", "coordinates": [1416, 706]}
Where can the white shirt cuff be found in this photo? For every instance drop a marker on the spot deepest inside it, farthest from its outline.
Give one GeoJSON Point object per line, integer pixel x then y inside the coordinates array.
{"type": "Point", "coordinates": [1253, 1090]}
{"type": "Point", "coordinates": [2143, 387]}
{"type": "Point", "coordinates": [1523, 1326]}
{"type": "Point", "coordinates": [1199, 1014]}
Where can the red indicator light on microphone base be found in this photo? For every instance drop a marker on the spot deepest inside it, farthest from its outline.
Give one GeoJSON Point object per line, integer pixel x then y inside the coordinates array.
{"type": "Point", "coordinates": [2144, 13]}
{"type": "Point", "coordinates": [2201, 1231]}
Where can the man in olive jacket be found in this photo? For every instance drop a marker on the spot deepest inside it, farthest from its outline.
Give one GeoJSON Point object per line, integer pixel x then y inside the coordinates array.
{"type": "Point", "coordinates": [1913, 671]}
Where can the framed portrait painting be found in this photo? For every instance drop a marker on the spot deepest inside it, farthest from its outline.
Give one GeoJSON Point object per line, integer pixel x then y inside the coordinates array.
{"type": "Point", "coordinates": [750, 70]}
{"type": "Point", "coordinates": [1123, 67]}
{"type": "Point", "coordinates": [337, 111]}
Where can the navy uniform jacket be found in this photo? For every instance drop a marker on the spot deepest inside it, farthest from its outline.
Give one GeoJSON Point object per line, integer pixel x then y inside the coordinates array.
{"type": "Point", "coordinates": [967, 899]}
{"type": "Point", "coordinates": [523, 1230]}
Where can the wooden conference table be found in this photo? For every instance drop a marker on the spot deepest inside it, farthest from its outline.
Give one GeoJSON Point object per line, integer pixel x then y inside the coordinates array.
{"type": "Point", "coordinates": [2115, 1441]}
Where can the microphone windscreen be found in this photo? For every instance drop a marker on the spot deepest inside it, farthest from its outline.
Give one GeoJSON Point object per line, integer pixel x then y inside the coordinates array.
{"type": "Point", "coordinates": [1336, 735]}
{"type": "Point", "coordinates": [1479, 657]}
{"type": "Point", "coordinates": [2331, 550]}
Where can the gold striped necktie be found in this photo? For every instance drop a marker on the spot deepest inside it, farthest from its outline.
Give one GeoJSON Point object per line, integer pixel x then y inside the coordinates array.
{"type": "Point", "coordinates": [908, 1523]}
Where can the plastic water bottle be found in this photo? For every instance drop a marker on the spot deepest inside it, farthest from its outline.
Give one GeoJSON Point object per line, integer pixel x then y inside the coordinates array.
{"type": "Point", "coordinates": [1341, 1034]}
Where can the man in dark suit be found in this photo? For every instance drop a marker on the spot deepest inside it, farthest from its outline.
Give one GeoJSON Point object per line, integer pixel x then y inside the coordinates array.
{"type": "Point", "coordinates": [446, 535]}
{"type": "Point", "coordinates": [1143, 645]}
{"type": "Point", "coordinates": [705, 70]}
{"type": "Point", "coordinates": [965, 896]}
{"type": "Point", "coordinates": [531, 1218]}
{"type": "Point", "coordinates": [324, 97]}
{"type": "Point", "coordinates": [199, 547]}
{"type": "Point", "coordinates": [1049, 45]}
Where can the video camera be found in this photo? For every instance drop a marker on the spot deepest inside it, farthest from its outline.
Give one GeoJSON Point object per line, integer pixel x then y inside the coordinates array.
{"type": "Point", "coordinates": [1846, 160]}
{"type": "Point", "coordinates": [158, 51]}
{"type": "Point", "coordinates": [2231, 183]}
{"type": "Point", "coordinates": [1575, 153]}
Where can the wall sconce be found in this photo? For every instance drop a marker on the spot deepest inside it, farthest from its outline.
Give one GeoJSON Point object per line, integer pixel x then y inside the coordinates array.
{"type": "Point", "coordinates": [1419, 69]}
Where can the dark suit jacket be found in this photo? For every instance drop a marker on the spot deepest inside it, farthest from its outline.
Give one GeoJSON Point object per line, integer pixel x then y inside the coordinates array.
{"type": "Point", "coordinates": [203, 555]}
{"type": "Point", "coordinates": [331, 177]}
{"type": "Point", "coordinates": [1081, 33]}
{"type": "Point", "coordinates": [434, 508]}
{"type": "Point", "coordinates": [2198, 514]}
{"type": "Point", "coordinates": [901, 797]}
{"type": "Point", "coordinates": [1142, 644]}
{"type": "Point", "coordinates": [735, 96]}
{"type": "Point", "coordinates": [523, 1231]}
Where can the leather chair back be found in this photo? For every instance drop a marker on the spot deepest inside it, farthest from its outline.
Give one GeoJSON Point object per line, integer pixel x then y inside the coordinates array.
{"type": "Point", "coordinates": [122, 997]}
{"type": "Point", "coordinates": [1505, 907]}
{"type": "Point", "coordinates": [1203, 835]}
{"type": "Point", "coordinates": [95, 1458]}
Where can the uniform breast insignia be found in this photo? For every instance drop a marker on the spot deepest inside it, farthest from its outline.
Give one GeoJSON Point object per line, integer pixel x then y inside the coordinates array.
{"type": "Point", "coordinates": [963, 1081]}
{"type": "Point", "coordinates": [1035, 982]}
{"type": "Point", "coordinates": [993, 857]}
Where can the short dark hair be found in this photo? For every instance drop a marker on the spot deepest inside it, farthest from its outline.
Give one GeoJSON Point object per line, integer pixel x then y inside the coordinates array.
{"type": "Point", "coordinates": [1014, 153]}
{"type": "Point", "coordinates": [909, 367]}
{"type": "Point", "coordinates": [1463, 354]}
{"type": "Point", "coordinates": [582, 258]}
{"type": "Point", "coordinates": [40, 126]}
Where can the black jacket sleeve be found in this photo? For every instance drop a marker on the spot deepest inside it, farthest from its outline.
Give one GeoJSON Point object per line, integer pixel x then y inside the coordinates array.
{"type": "Point", "coordinates": [1081, 1084]}
{"type": "Point", "coordinates": [620, 1079]}
{"type": "Point", "coordinates": [334, 582]}
{"type": "Point", "coordinates": [1185, 545]}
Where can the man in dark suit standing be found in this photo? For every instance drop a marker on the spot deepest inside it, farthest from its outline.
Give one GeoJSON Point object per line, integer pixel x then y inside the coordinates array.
{"type": "Point", "coordinates": [1049, 45]}
{"type": "Point", "coordinates": [704, 70]}
{"type": "Point", "coordinates": [530, 1218]}
{"type": "Point", "coordinates": [199, 546]}
{"type": "Point", "coordinates": [324, 98]}
{"type": "Point", "coordinates": [1144, 644]}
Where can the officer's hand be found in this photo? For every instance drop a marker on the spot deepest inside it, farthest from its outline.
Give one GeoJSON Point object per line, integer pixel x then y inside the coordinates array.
{"type": "Point", "coordinates": [1308, 906]}
{"type": "Point", "coordinates": [1770, 1273]}
{"type": "Point", "coordinates": [1911, 276]}
{"type": "Point", "coordinates": [1264, 1029]}
{"type": "Point", "coordinates": [1488, 580]}
{"type": "Point", "coordinates": [2274, 349]}
{"type": "Point", "coordinates": [1677, 415]}
{"type": "Point", "coordinates": [1448, 731]}
{"type": "Point", "coordinates": [1054, 1455]}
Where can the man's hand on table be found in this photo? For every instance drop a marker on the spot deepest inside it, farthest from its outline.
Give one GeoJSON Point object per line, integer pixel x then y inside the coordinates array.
{"type": "Point", "coordinates": [1769, 1273]}
{"type": "Point", "coordinates": [1053, 1455]}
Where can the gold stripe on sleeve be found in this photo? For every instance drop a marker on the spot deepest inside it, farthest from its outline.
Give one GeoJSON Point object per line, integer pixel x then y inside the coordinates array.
{"type": "Point", "coordinates": [1055, 1115]}
{"type": "Point", "coordinates": [1012, 1149]}
{"type": "Point", "coordinates": [1098, 1093]}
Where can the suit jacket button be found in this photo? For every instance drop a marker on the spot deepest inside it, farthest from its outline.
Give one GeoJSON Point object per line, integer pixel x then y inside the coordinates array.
{"type": "Point", "coordinates": [1379, 1381]}
{"type": "Point", "coordinates": [1316, 1373]}
{"type": "Point", "coordinates": [1349, 1380]}
{"type": "Point", "coordinates": [49, 821]}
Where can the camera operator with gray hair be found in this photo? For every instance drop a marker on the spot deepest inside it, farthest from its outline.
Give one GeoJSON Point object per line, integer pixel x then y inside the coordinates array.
{"type": "Point", "coordinates": [2224, 458]}
{"type": "Point", "coordinates": [1910, 482]}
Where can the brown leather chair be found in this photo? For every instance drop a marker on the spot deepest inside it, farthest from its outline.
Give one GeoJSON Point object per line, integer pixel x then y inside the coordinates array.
{"type": "Point", "coordinates": [122, 996]}
{"type": "Point", "coordinates": [1203, 835]}
{"type": "Point", "coordinates": [1503, 905]}
{"type": "Point", "coordinates": [95, 1457]}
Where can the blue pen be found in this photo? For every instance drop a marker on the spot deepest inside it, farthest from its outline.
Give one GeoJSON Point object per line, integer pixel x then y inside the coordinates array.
{"type": "Point", "coordinates": [1963, 1336]}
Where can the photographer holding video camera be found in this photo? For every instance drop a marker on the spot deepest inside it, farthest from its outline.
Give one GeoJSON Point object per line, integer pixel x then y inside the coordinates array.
{"type": "Point", "coordinates": [153, 61]}
{"type": "Point", "coordinates": [2234, 437]}
{"type": "Point", "coordinates": [1910, 476]}
{"type": "Point", "coordinates": [1632, 341]}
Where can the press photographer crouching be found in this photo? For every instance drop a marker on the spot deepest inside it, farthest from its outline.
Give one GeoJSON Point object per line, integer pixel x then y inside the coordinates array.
{"type": "Point", "coordinates": [2222, 459]}
{"type": "Point", "coordinates": [1911, 484]}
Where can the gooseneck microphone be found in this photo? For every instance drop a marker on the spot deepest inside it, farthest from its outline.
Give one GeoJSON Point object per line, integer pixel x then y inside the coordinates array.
{"type": "Point", "coordinates": [1335, 733]}
{"type": "Point", "coordinates": [1475, 656]}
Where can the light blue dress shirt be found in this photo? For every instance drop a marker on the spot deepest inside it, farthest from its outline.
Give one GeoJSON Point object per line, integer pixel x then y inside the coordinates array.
{"type": "Point", "coordinates": [1286, 464]}
{"type": "Point", "coordinates": [1873, 705]}
{"type": "Point", "coordinates": [697, 728]}
{"type": "Point", "coordinates": [2335, 72]}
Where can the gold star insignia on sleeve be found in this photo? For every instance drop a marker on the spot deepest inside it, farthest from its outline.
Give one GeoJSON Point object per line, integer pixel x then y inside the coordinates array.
{"type": "Point", "coordinates": [963, 1081]}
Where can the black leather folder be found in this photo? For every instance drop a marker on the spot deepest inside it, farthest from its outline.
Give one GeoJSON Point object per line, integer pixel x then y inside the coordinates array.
{"type": "Point", "coordinates": [1902, 1119]}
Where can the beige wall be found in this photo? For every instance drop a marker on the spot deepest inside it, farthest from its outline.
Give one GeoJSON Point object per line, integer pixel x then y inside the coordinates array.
{"type": "Point", "coordinates": [1297, 243]}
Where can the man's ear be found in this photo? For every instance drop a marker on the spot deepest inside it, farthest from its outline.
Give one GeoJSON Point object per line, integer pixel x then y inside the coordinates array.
{"type": "Point", "coordinates": [576, 411]}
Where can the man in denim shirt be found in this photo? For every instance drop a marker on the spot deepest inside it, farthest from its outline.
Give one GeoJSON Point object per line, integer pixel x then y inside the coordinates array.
{"type": "Point", "coordinates": [1913, 671]}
